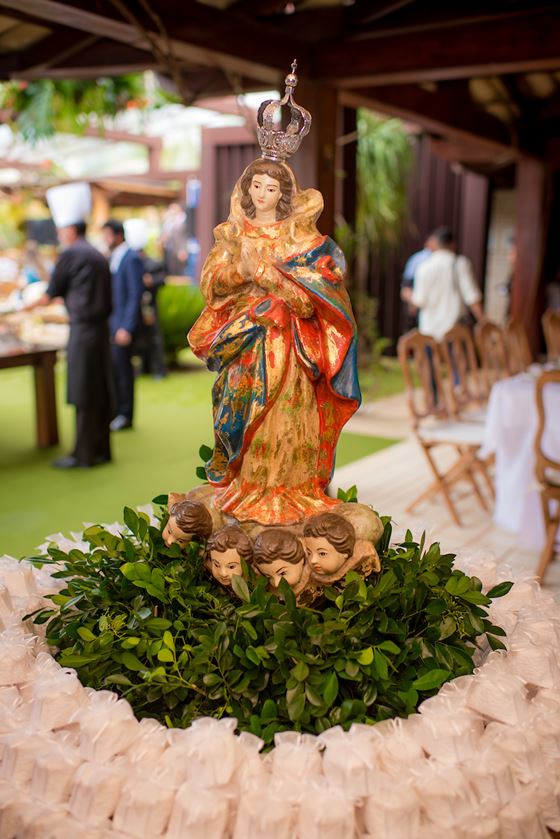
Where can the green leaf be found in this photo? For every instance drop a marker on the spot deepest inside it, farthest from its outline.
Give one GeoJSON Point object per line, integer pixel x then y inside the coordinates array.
{"type": "Point", "coordinates": [118, 679]}
{"type": "Point", "coordinates": [495, 643]}
{"type": "Point", "coordinates": [380, 665]}
{"type": "Point", "coordinates": [158, 623]}
{"type": "Point", "coordinates": [295, 702]}
{"type": "Point", "coordinates": [330, 689]}
{"type": "Point", "coordinates": [165, 655]}
{"type": "Point", "coordinates": [253, 655]}
{"type": "Point", "coordinates": [499, 590]}
{"type": "Point", "coordinates": [200, 473]}
{"type": "Point", "coordinates": [130, 519]}
{"type": "Point", "coordinates": [131, 662]}
{"type": "Point", "coordinates": [300, 671]}
{"type": "Point", "coordinates": [475, 597]}
{"type": "Point", "coordinates": [365, 657]}
{"type": "Point", "coordinates": [129, 643]}
{"type": "Point", "coordinates": [160, 500]}
{"type": "Point", "coordinates": [432, 679]}
{"type": "Point", "coordinates": [86, 634]}
{"type": "Point", "coordinates": [168, 640]}
{"type": "Point", "coordinates": [205, 453]}
{"type": "Point", "coordinates": [389, 646]}
{"type": "Point", "coordinates": [269, 710]}
{"type": "Point", "coordinates": [240, 587]}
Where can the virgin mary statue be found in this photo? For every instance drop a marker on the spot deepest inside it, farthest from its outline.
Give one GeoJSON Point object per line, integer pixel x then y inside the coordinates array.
{"type": "Point", "coordinates": [278, 330]}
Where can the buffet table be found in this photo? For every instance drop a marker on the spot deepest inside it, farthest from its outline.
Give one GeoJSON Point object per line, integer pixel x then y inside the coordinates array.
{"type": "Point", "coordinates": [511, 424]}
{"type": "Point", "coordinates": [43, 360]}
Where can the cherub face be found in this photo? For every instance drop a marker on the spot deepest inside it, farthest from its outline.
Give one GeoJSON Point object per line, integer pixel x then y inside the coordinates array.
{"type": "Point", "coordinates": [172, 535]}
{"type": "Point", "coordinates": [224, 564]}
{"type": "Point", "coordinates": [322, 556]}
{"type": "Point", "coordinates": [265, 193]}
{"type": "Point", "coordinates": [281, 570]}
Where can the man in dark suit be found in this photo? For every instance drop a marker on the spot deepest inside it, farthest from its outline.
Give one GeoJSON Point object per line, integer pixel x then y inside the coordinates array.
{"type": "Point", "coordinates": [128, 286]}
{"type": "Point", "coordinates": [82, 278]}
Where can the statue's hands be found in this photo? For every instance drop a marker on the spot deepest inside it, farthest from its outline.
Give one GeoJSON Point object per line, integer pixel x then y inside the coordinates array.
{"type": "Point", "coordinates": [249, 261]}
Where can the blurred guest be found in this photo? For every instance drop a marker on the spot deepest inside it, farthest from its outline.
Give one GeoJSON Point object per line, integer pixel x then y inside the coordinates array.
{"type": "Point", "coordinates": [174, 239]}
{"type": "Point", "coordinates": [128, 286]}
{"type": "Point", "coordinates": [148, 344]}
{"type": "Point", "coordinates": [409, 271]}
{"type": "Point", "coordinates": [444, 286]}
{"type": "Point", "coordinates": [31, 264]}
{"type": "Point", "coordinates": [82, 278]}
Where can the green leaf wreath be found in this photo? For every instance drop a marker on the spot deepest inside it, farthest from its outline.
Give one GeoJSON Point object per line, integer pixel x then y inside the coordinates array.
{"type": "Point", "coordinates": [149, 622]}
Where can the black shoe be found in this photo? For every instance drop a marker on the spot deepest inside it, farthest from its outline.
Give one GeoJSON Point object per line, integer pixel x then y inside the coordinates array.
{"type": "Point", "coordinates": [68, 462]}
{"type": "Point", "coordinates": [99, 461]}
{"type": "Point", "coordinates": [120, 423]}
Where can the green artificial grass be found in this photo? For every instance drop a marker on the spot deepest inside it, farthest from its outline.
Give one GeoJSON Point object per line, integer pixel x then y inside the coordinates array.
{"type": "Point", "coordinates": [173, 418]}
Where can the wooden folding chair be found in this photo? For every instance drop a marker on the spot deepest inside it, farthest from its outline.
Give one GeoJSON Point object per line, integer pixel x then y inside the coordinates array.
{"type": "Point", "coordinates": [551, 329]}
{"type": "Point", "coordinates": [492, 352]}
{"type": "Point", "coordinates": [433, 423]}
{"type": "Point", "coordinates": [519, 355]}
{"type": "Point", "coordinates": [467, 393]}
{"type": "Point", "coordinates": [548, 474]}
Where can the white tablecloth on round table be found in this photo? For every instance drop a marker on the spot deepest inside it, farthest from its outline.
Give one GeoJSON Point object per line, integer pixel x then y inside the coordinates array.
{"type": "Point", "coordinates": [510, 429]}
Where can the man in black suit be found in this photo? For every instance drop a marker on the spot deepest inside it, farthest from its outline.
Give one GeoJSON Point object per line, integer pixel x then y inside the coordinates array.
{"type": "Point", "coordinates": [128, 286]}
{"type": "Point", "coordinates": [82, 278]}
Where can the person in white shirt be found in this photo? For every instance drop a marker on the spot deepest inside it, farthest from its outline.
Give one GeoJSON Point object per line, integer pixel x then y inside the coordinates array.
{"type": "Point", "coordinates": [444, 286]}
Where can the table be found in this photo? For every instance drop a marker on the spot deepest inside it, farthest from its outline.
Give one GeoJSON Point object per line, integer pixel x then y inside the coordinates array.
{"type": "Point", "coordinates": [43, 360]}
{"type": "Point", "coordinates": [509, 433]}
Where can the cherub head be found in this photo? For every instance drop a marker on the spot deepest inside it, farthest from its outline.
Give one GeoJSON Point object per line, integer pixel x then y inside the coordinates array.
{"type": "Point", "coordinates": [187, 520]}
{"type": "Point", "coordinates": [329, 543]}
{"type": "Point", "coordinates": [224, 553]}
{"type": "Point", "coordinates": [279, 555]}
{"type": "Point", "coordinates": [267, 186]}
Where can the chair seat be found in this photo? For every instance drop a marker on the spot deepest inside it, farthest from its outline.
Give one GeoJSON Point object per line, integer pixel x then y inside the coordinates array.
{"type": "Point", "coordinates": [460, 433]}
{"type": "Point", "coordinates": [476, 415]}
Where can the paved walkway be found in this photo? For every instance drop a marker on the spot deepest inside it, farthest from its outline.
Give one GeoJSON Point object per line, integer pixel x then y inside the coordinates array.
{"type": "Point", "coordinates": [392, 478]}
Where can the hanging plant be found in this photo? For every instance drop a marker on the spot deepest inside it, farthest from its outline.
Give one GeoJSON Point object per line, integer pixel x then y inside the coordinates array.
{"type": "Point", "coordinates": [40, 108]}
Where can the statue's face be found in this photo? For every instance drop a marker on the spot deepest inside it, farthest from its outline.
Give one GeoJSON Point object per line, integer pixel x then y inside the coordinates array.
{"type": "Point", "coordinates": [281, 570]}
{"type": "Point", "coordinates": [322, 556]}
{"type": "Point", "coordinates": [265, 193]}
{"type": "Point", "coordinates": [224, 564]}
{"type": "Point", "coordinates": [173, 535]}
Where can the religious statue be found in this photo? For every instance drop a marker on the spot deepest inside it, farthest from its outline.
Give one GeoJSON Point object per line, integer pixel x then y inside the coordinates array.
{"type": "Point", "coordinates": [278, 330]}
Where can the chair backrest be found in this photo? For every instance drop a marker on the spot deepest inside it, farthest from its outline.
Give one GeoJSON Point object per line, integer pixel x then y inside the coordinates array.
{"type": "Point", "coordinates": [466, 385]}
{"type": "Point", "coordinates": [421, 367]}
{"type": "Point", "coordinates": [551, 329]}
{"type": "Point", "coordinates": [519, 355]}
{"type": "Point", "coordinates": [543, 461]}
{"type": "Point", "coordinates": [492, 351]}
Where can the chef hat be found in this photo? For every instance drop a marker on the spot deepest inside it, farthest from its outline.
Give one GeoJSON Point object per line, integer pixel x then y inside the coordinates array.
{"type": "Point", "coordinates": [69, 203]}
{"type": "Point", "coordinates": [136, 233]}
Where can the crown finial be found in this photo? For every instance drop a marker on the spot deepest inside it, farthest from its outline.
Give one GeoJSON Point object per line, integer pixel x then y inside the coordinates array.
{"type": "Point", "coordinates": [275, 143]}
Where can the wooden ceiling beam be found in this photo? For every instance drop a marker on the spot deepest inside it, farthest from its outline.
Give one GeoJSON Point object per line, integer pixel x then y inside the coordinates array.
{"type": "Point", "coordinates": [448, 113]}
{"type": "Point", "coordinates": [489, 47]}
{"type": "Point", "coordinates": [200, 35]}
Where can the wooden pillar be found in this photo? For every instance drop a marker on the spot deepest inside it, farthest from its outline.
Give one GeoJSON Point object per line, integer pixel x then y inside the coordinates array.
{"type": "Point", "coordinates": [314, 163]}
{"type": "Point", "coordinates": [530, 237]}
{"type": "Point", "coordinates": [348, 159]}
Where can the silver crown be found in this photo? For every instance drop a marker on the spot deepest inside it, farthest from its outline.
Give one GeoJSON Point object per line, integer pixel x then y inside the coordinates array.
{"type": "Point", "coordinates": [275, 143]}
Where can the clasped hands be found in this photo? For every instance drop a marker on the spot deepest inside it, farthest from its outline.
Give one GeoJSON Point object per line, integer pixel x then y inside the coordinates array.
{"type": "Point", "coordinates": [252, 268]}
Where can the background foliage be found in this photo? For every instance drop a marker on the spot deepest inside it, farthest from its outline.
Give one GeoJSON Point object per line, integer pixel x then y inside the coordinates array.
{"type": "Point", "coordinates": [44, 106]}
{"type": "Point", "coordinates": [178, 307]}
{"type": "Point", "coordinates": [144, 619]}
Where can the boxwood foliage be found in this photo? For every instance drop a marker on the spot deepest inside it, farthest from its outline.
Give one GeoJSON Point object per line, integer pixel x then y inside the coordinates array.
{"type": "Point", "coordinates": [148, 622]}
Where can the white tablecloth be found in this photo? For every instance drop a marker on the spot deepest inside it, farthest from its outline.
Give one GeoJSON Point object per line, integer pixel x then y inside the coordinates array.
{"type": "Point", "coordinates": [511, 424]}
